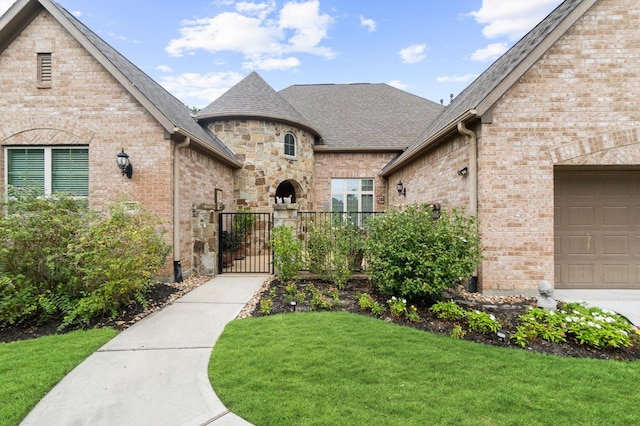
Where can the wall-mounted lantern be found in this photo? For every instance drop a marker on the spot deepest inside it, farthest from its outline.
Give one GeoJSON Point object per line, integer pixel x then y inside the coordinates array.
{"type": "Point", "coordinates": [124, 164]}
{"type": "Point", "coordinates": [402, 190]}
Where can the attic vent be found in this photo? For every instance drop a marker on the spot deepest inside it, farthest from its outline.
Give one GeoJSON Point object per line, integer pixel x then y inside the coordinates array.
{"type": "Point", "coordinates": [44, 70]}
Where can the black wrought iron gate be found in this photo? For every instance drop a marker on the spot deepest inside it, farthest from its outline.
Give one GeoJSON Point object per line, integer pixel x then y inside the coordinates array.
{"type": "Point", "coordinates": [244, 242]}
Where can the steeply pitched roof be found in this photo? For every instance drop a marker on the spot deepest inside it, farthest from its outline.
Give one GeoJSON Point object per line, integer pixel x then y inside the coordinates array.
{"type": "Point", "coordinates": [172, 114]}
{"type": "Point", "coordinates": [492, 84]}
{"type": "Point", "coordinates": [363, 116]}
{"type": "Point", "coordinates": [252, 97]}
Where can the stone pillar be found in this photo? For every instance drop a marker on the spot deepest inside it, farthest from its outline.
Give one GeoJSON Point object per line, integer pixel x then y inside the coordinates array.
{"type": "Point", "coordinates": [285, 214]}
{"type": "Point", "coordinates": [204, 226]}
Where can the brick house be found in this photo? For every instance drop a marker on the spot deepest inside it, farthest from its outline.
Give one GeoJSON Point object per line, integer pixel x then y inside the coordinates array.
{"type": "Point", "coordinates": [542, 147]}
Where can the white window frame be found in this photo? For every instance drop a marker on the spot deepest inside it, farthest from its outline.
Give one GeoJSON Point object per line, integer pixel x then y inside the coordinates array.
{"type": "Point", "coordinates": [48, 163]}
{"type": "Point", "coordinates": [359, 192]}
{"type": "Point", "coordinates": [295, 145]}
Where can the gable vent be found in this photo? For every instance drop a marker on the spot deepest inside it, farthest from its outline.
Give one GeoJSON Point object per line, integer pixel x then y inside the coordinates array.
{"type": "Point", "coordinates": [44, 68]}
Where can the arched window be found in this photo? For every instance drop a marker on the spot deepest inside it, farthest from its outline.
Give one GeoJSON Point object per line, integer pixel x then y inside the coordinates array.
{"type": "Point", "coordinates": [290, 145]}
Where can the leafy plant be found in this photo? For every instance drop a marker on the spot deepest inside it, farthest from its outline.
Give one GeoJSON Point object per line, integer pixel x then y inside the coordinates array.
{"type": "Point", "coordinates": [412, 314]}
{"type": "Point", "coordinates": [449, 311]}
{"type": "Point", "coordinates": [265, 306]}
{"type": "Point", "coordinates": [398, 307]}
{"type": "Point", "coordinates": [366, 302]}
{"type": "Point", "coordinates": [458, 332]}
{"type": "Point", "coordinates": [482, 322]}
{"type": "Point", "coordinates": [287, 250]}
{"type": "Point", "coordinates": [411, 254]}
{"type": "Point", "coordinates": [590, 326]}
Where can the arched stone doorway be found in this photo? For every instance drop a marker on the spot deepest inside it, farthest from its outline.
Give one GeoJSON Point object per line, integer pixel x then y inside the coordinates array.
{"type": "Point", "coordinates": [286, 193]}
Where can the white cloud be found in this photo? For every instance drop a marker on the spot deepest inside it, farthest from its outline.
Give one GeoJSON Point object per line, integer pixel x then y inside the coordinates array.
{"type": "Point", "coordinates": [369, 24]}
{"type": "Point", "coordinates": [5, 5]}
{"type": "Point", "coordinates": [490, 53]}
{"type": "Point", "coordinates": [456, 78]}
{"type": "Point", "coordinates": [164, 68]}
{"type": "Point", "coordinates": [261, 33]}
{"type": "Point", "coordinates": [200, 89]}
{"type": "Point", "coordinates": [511, 18]}
{"type": "Point", "coordinates": [271, 64]}
{"type": "Point", "coordinates": [398, 84]}
{"type": "Point", "coordinates": [413, 54]}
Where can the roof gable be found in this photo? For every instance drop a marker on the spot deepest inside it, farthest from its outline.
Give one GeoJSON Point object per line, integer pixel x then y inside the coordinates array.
{"type": "Point", "coordinates": [363, 116]}
{"type": "Point", "coordinates": [492, 84]}
{"type": "Point", "coordinates": [172, 114]}
{"type": "Point", "coordinates": [253, 97]}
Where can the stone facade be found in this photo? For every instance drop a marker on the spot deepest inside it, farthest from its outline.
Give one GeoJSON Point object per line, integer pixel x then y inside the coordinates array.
{"type": "Point", "coordinates": [260, 145]}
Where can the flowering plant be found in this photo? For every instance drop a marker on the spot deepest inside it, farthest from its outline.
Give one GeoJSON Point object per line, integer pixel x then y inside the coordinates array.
{"type": "Point", "coordinates": [398, 306]}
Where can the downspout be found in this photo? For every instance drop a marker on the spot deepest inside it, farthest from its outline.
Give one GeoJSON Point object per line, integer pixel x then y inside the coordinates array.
{"type": "Point", "coordinates": [177, 267]}
{"type": "Point", "coordinates": [473, 167]}
{"type": "Point", "coordinates": [473, 187]}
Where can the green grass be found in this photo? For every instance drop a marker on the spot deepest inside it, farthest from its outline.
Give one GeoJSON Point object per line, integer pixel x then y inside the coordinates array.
{"type": "Point", "coordinates": [338, 368]}
{"type": "Point", "coordinates": [30, 368]}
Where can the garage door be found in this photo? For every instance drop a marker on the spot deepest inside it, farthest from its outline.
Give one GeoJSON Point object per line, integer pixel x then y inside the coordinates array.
{"type": "Point", "coordinates": [597, 229]}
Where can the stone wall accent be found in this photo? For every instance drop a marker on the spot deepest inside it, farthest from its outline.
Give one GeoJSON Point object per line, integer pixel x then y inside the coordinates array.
{"type": "Point", "coordinates": [260, 145]}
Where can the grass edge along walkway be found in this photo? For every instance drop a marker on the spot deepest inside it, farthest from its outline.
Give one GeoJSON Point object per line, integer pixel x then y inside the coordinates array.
{"type": "Point", "coordinates": [342, 368]}
{"type": "Point", "coordinates": [31, 368]}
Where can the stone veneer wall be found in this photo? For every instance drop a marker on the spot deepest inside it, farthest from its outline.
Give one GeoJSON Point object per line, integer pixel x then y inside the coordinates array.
{"type": "Point", "coordinates": [577, 106]}
{"type": "Point", "coordinates": [349, 166]}
{"type": "Point", "coordinates": [260, 145]}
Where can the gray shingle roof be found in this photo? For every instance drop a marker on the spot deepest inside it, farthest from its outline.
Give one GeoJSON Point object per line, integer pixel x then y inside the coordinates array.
{"type": "Point", "coordinates": [490, 85]}
{"type": "Point", "coordinates": [363, 115]}
{"type": "Point", "coordinates": [167, 109]}
{"type": "Point", "coordinates": [253, 97]}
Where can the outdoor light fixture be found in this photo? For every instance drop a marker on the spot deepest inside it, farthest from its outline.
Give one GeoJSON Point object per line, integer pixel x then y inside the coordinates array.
{"type": "Point", "coordinates": [125, 165]}
{"type": "Point", "coordinates": [463, 171]}
{"type": "Point", "coordinates": [293, 305]}
{"type": "Point", "coordinates": [502, 335]}
{"type": "Point", "coordinates": [401, 189]}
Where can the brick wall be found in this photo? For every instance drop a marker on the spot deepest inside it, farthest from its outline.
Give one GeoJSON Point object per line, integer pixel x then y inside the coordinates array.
{"type": "Point", "coordinates": [349, 166]}
{"type": "Point", "coordinates": [84, 106]}
{"type": "Point", "coordinates": [577, 106]}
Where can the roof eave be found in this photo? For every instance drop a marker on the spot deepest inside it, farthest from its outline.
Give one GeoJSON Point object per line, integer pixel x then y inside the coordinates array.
{"type": "Point", "coordinates": [241, 116]}
{"type": "Point", "coordinates": [416, 152]}
{"type": "Point", "coordinates": [489, 101]}
{"type": "Point", "coordinates": [208, 148]}
{"type": "Point", "coordinates": [15, 19]}
{"type": "Point", "coordinates": [359, 149]}
{"type": "Point", "coordinates": [109, 66]}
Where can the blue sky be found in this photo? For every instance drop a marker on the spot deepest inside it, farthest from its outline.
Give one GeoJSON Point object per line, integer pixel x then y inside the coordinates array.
{"type": "Point", "coordinates": [198, 49]}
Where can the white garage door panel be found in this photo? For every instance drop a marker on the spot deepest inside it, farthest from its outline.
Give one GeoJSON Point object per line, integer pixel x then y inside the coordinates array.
{"type": "Point", "coordinates": [597, 229]}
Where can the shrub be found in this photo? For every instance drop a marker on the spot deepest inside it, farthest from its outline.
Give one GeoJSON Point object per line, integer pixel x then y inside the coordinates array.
{"type": "Point", "coordinates": [366, 302]}
{"type": "Point", "coordinates": [413, 255]}
{"type": "Point", "coordinates": [286, 253]}
{"type": "Point", "coordinates": [58, 258]}
{"type": "Point", "coordinates": [449, 311]}
{"type": "Point", "coordinates": [481, 322]}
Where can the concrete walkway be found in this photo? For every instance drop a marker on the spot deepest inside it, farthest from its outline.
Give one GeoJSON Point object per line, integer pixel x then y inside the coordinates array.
{"type": "Point", "coordinates": [155, 372]}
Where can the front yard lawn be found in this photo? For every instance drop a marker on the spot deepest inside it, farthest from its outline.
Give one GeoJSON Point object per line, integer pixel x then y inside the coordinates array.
{"type": "Point", "coordinates": [30, 368]}
{"type": "Point", "coordinates": [341, 368]}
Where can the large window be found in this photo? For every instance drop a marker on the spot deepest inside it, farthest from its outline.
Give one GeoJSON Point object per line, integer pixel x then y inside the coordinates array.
{"type": "Point", "coordinates": [52, 169]}
{"type": "Point", "coordinates": [352, 195]}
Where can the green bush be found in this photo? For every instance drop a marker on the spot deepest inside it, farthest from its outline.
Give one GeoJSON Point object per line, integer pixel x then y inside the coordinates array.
{"type": "Point", "coordinates": [59, 259]}
{"type": "Point", "coordinates": [413, 255]}
{"type": "Point", "coordinates": [287, 251]}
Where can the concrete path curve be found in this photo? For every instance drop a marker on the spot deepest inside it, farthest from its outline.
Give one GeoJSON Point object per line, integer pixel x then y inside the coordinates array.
{"type": "Point", "coordinates": [155, 372]}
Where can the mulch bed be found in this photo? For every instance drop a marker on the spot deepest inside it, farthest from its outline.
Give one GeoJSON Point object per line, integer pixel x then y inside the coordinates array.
{"type": "Point", "coordinates": [506, 309]}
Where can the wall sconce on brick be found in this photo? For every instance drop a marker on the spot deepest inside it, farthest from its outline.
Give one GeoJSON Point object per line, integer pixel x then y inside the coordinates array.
{"type": "Point", "coordinates": [463, 172]}
{"type": "Point", "coordinates": [401, 189]}
{"type": "Point", "coordinates": [124, 164]}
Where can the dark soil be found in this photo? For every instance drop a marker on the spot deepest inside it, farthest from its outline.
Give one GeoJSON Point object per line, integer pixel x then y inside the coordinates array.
{"type": "Point", "coordinates": [505, 309]}
{"type": "Point", "coordinates": [159, 295]}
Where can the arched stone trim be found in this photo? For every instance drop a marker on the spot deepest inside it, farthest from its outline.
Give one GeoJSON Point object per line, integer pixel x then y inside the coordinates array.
{"type": "Point", "coordinates": [598, 150]}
